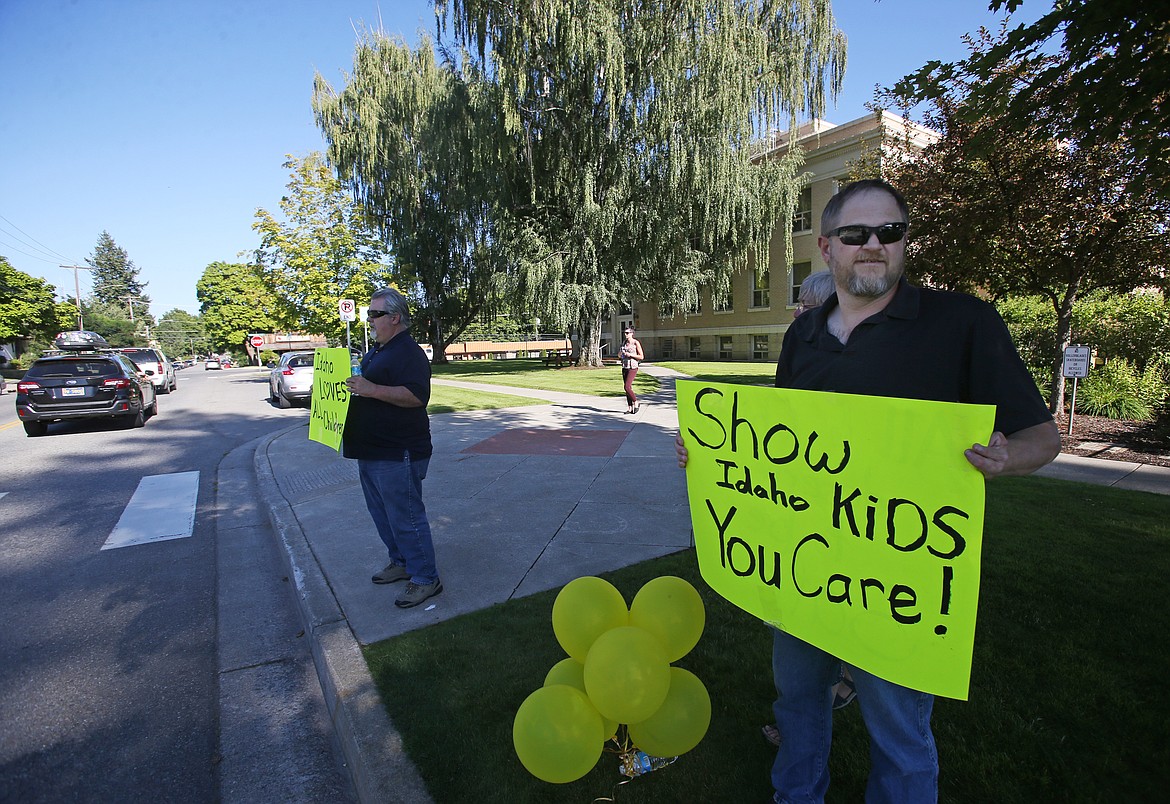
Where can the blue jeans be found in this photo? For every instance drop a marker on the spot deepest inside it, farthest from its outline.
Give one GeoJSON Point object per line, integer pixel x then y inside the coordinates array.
{"type": "Point", "coordinates": [903, 760]}
{"type": "Point", "coordinates": [393, 492]}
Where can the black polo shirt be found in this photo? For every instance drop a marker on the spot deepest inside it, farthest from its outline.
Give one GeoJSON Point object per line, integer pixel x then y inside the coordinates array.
{"type": "Point", "coordinates": [926, 344]}
{"type": "Point", "coordinates": [379, 431]}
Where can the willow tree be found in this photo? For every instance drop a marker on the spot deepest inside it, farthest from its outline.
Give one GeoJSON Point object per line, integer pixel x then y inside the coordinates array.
{"type": "Point", "coordinates": [629, 132]}
{"type": "Point", "coordinates": [413, 137]}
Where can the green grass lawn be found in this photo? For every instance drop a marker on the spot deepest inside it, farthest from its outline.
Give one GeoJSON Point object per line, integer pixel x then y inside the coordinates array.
{"type": "Point", "coordinates": [446, 399]}
{"type": "Point", "coordinates": [531, 373]}
{"type": "Point", "coordinates": [1066, 701]}
{"type": "Point", "coordinates": [763, 373]}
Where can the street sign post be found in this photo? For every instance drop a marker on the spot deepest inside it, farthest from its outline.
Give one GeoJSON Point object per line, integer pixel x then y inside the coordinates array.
{"type": "Point", "coordinates": [348, 312]}
{"type": "Point", "coordinates": [1076, 365]}
{"type": "Point", "coordinates": [257, 341]}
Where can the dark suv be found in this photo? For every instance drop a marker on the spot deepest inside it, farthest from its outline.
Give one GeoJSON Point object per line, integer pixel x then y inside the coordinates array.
{"type": "Point", "coordinates": [154, 362]}
{"type": "Point", "coordinates": [84, 385]}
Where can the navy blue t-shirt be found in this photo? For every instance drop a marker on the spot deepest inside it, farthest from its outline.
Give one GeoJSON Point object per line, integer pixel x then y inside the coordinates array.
{"type": "Point", "coordinates": [379, 431]}
{"type": "Point", "coordinates": [926, 344]}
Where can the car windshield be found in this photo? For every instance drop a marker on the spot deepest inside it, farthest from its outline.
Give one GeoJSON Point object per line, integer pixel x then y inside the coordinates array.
{"type": "Point", "coordinates": [303, 361]}
{"type": "Point", "coordinates": [74, 368]}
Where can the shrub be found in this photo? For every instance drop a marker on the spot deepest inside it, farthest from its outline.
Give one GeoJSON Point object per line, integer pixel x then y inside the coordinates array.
{"type": "Point", "coordinates": [1117, 390]}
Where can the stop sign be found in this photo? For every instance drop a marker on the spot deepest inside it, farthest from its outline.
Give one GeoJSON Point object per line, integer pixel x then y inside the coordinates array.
{"type": "Point", "coordinates": [257, 341]}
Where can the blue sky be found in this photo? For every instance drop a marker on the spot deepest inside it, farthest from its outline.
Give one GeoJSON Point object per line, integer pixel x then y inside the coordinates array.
{"type": "Point", "coordinates": [165, 122]}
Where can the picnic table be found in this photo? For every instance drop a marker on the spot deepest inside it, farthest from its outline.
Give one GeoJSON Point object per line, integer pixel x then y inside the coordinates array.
{"type": "Point", "coordinates": [557, 357]}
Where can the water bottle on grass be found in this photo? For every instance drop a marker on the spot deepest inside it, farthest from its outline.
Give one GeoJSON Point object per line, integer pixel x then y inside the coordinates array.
{"type": "Point", "coordinates": [639, 763]}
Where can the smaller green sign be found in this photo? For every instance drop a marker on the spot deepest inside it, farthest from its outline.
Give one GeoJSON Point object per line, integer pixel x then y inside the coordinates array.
{"type": "Point", "coordinates": [330, 401]}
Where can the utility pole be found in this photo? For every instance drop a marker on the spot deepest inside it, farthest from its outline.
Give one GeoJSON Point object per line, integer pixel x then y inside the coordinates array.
{"type": "Point", "coordinates": [77, 290]}
{"type": "Point", "coordinates": [130, 301]}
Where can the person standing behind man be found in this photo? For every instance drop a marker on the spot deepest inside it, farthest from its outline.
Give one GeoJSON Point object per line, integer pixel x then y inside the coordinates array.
{"type": "Point", "coordinates": [632, 356]}
{"type": "Point", "coordinates": [388, 432]}
{"type": "Point", "coordinates": [881, 336]}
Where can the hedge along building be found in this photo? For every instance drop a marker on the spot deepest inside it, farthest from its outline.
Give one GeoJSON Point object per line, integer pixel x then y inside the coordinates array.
{"type": "Point", "coordinates": [749, 324]}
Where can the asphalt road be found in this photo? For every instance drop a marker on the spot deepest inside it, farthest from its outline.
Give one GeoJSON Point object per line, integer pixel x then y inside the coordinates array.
{"type": "Point", "coordinates": [113, 682]}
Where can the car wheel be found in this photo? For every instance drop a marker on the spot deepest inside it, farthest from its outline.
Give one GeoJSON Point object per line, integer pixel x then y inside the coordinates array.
{"type": "Point", "coordinates": [282, 401]}
{"type": "Point", "coordinates": [175, 384]}
{"type": "Point", "coordinates": [137, 420]}
{"type": "Point", "coordinates": [34, 429]}
{"type": "Point", "coordinates": [163, 389]}
{"type": "Point", "coordinates": [153, 409]}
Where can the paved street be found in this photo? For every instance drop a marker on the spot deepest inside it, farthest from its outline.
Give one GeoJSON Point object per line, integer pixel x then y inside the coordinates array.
{"type": "Point", "coordinates": [114, 661]}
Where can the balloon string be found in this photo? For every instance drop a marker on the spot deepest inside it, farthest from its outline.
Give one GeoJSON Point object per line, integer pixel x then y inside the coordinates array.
{"type": "Point", "coordinates": [621, 747]}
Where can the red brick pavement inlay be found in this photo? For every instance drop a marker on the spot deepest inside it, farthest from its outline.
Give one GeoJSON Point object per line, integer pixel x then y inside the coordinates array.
{"type": "Point", "coordinates": [583, 443]}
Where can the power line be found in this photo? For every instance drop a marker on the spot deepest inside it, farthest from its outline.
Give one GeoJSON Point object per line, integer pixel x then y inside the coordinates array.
{"type": "Point", "coordinates": [50, 254]}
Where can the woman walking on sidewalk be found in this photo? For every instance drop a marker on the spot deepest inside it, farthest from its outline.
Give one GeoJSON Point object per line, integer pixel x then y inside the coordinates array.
{"type": "Point", "coordinates": [632, 356]}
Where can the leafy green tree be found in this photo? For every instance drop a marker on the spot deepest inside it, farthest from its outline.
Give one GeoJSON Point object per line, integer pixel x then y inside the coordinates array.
{"type": "Point", "coordinates": [1106, 82]}
{"type": "Point", "coordinates": [180, 333]}
{"type": "Point", "coordinates": [27, 305]}
{"type": "Point", "coordinates": [115, 279]}
{"type": "Point", "coordinates": [234, 302]}
{"type": "Point", "coordinates": [112, 321]}
{"type": "Point", "coordinates": [1009, 209]}
{"type": "Point", "coordinates": [426, 169]}
{"type": "Point", "coordinates": [323, 251]}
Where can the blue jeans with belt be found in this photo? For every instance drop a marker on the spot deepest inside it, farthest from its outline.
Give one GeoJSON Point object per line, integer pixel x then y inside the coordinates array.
{"type": "Point", "coordinates": [393, 492]}
{"type": "Point", "coordinates": [903, 760]}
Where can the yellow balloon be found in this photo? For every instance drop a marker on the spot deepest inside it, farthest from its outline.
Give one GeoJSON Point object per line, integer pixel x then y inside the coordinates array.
{"type": "Point", "coordinates": [572, 673]}
{"type": "Point", "coordinates": [681, 721]}
{"type": "Point", "coordinates": [627, 675]}
{"type": "Point", "coordinates": [670, 609]}
{"type": "Point", "coordinates": [585, 609]}
{"type": "Point", "coordinates": [557, 734]}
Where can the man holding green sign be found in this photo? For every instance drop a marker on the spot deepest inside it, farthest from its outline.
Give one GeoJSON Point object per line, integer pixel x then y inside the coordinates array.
{"type": "Point", "coordinates": [387, 430]}
{"type": "Point", "coordinates": [878, 337]}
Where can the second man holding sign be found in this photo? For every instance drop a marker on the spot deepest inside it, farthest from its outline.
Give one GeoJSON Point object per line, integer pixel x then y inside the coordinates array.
{"type": "Point", "coordinates": [388, 432]}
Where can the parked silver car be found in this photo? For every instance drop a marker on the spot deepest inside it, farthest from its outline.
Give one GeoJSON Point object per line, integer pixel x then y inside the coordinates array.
{"type": "Point", "coordinates": [291, 379]}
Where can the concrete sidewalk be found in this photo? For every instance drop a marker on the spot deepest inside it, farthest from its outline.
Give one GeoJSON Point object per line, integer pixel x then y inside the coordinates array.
{"type": "Point", "coordinates": [521, 500]}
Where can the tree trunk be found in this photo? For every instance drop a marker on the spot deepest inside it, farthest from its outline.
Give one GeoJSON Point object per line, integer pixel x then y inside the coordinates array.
{"type": "Point", "coordinates": [589, 339]}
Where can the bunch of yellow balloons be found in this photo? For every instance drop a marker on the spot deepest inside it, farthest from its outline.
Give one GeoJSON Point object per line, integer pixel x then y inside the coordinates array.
{"type": "Point", "coordinates": [618, 671]}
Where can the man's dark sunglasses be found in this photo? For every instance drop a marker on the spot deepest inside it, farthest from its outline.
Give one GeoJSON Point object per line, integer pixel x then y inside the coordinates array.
{"type": "Point", "coordinates": [858, 235]}
{"type": "Point", "coordinates": [376, 313]}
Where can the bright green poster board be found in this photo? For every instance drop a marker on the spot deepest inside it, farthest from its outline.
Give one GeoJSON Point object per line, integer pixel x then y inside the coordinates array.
{"type": "Point", "coordinates": [330, 401]}
{"type": "Point", "coordinates": [852, 522]}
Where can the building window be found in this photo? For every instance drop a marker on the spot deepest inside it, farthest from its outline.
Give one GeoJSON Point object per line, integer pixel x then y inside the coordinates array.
{"type": "Point", "coordinates": [802, 218]}
{"type": "Point", "coordinates": [666, 345]}
{"type": "Point", "coordinates": [800, 272]}
{"type": "Point", "coordinates": [759, 347]}
{"type": "Point", "coordinates": [694, 351]}
{"type": "Point", "coordinates": [724, 347]}
{"type": "Point", "coordinates": [760, 290]}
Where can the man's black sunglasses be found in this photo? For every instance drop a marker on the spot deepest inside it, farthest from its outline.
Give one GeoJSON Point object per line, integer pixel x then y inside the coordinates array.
{"type": "Point", "coordinates": [376, 313]}
{"type": "Point", "coordinates": [858, 235]}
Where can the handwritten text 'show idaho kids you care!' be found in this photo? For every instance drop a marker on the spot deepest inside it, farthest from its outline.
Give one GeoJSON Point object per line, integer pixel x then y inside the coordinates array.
{"type": "Point", "coordinates": [330, 399]}
{"type": "Point", "coordinates": [852, 522]}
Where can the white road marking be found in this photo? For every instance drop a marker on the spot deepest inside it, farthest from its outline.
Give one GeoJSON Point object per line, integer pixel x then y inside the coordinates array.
{"type": "Point", "coordinates": [163, 507]}
{"type": "Point", "coordinates": [3, 493]}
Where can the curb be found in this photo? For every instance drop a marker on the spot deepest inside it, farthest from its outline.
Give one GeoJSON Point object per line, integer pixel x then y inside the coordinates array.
{"type": "Point", "coordinates": [371, 746]}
